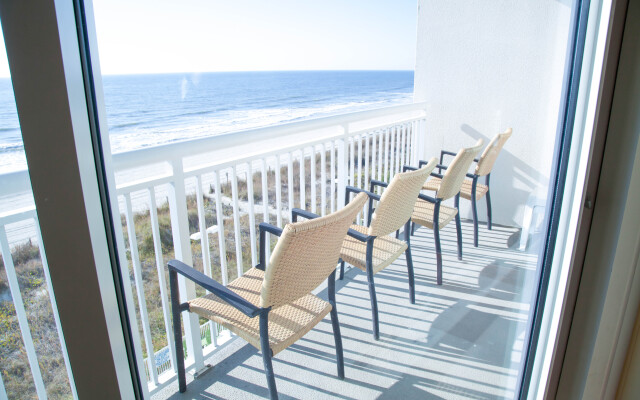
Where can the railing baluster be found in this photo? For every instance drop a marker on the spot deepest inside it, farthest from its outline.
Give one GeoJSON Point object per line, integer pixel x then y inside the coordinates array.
{"type": "Point", "coordinates": [220, 220]}
{"type": "Point", "coordinates": [157, 245]}
{"type": "Point", "coordinates": [399, 149]}
{"type": "Point", "coordinates": [408, 145]}
{"type": "Point", "coordinates": [323, 179]}
{"type": "Point", "coordinates": [204, 236]}
{"type": "Point", "coordinates": [367, 164]}
{"type": "Point", "coordinates": [236, 220]}
{"type": "Point", "coordinates": [352, 159]}
{"type": "Point", "coordinates": [204, 240]}
{"type": "Point", "coordinates": [278, 192]}
{"type": "Point", "coordinates": [314, 181]}
{"type": "Point", "coordinates": [252, 214]}
{"type": "Point", "coordinates": [54, 308]}
{"type": "Point", "coordinates": [21, 313]}
{"type": "Point", "coordinates": [303, 188]}
{"type": "Point", "coordinates": [290, 185]}
{"type": "Point", "coordinates": [374, 156]}
{"type": "Point", "coordinates": [396, 149]}
{"type": "Point", "coordinates": [359, 182]}
{"type": "Point", "coordinates": [410, 156]}
{"type": "Point", "coordinates": [380, 153]}
{"type": "Point", "coordinates": [333, 177]}
{"type": "Point", "coordinates": [403, 132]}
{"type": "Point", "coordinates": [137, 274]}
{"type": "Point", "coordinates": [392, 153]}
{"type": "Point", "coordinates": [387, 146]}
{"type": "Point", "coordinates": [265, 203]}
{"type": "Point", "coordinates": [342, 171]}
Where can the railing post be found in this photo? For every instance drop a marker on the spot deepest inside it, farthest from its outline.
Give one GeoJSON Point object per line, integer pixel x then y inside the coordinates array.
{"type": "Point", "coordinates": [342, 167]}
{"type": "Point", "coordinates": [182, 249]}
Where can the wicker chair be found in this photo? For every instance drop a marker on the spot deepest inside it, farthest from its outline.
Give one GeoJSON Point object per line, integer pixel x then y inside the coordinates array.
{"type": "Point", "coordinates": [471, 189]}
{"type": "Point", "coordinates": [370, 248]}
{"type": "Point", "coordinates": [430, 212]}
{"type": "Point", "coordinates": [280, 296]}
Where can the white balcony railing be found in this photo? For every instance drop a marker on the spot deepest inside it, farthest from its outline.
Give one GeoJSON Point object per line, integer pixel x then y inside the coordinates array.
{"type": "Point", "coordinates": [201, 200]}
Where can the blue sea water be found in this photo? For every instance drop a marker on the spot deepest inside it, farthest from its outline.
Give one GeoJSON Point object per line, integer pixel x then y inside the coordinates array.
{"type": "Point", "coordinates": [148, 110]}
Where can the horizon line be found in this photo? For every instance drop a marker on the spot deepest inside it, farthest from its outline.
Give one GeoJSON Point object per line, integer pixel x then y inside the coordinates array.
{"type": "Point", "coordinates": [247, 71]}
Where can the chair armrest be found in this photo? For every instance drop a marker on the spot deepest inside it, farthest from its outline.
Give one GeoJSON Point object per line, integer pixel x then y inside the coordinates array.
{"type": "Point", "coordinates": [375, 182]}
{"type": "Point", "coordinates": [297, 212]}
{"type": "Point", "coordinates": [446, 152]}
{"type": "Point", "coordinates": [225, 294]}
{"type": "Point", "coordinates": [437, 175]}
{"type": "Point", "coordinates": [427, 198]}
{"type": "Point", "coordinates": [267, 227]}
{"type": "Point", "coordinates": [440, 166]}
{"type": "Point", "coordinates": [358, 235]}
{"type": "Point", "coordinates": [352, 189]}
{"type": "Point", "coordinates": [409, 168]}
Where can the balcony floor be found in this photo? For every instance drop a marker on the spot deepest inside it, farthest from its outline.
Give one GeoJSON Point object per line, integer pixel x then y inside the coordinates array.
{"type": "Point", "coordinates": [460, 340]}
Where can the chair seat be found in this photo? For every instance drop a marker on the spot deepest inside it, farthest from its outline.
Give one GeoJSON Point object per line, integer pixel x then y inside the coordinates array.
{"type": "Point", "coordinates": [423, 214]}
{"type": "Point", "coordinates": [385, 250]}
{"type": "Point", "coordinates": [433, 183]}
{"type": "Point", "coordinates": [287, 323]}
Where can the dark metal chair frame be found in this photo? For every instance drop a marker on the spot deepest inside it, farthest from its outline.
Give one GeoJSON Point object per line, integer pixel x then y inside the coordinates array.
{"type": "Point", "coordinates": [436, 219]}
{"type": "Point", "coordinates": [369, 240]}
{"type": "Point", "coordinates": [474, 185]}
{"type": "Point", "coordinates": [250, 310]}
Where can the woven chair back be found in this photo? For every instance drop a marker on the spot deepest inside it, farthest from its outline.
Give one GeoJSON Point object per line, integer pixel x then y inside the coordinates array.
{"type": "Point", "coordinates": [490, 154]}
{"type": "Point", "coordinates": [457, 171]}
{"type": "Point", "coordinates": [398, 199]}
{"type": "Point", "coordinates": [306, 253]}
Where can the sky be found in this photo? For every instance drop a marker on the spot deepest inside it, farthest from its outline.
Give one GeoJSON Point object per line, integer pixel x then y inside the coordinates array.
{"type": "Point", "coordinates": [162, 36]}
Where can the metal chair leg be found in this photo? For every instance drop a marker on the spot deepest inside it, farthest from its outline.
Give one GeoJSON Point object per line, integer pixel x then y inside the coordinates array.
{"type": "Point", "coordinates": [341, 269]}
{"type": "Point", "coordinates": [267, 354]}
{"type": "Point", "coordinates": [474, 208]}
{"type": "Point", "coordinates": [488, 210]}
{"type": "Point", "coordinates": [459, 234]}
{"type": "Point", "coordinates": [488, 202]}
{"type": "Point", "coordinates": [458, 226]}
{"type": "Point", "coordinates": [407, 238]}
{"type": "Point", "coordinates": [177, 330]}
{"type": "Point", "coordinates": [335, 324]}
{"type": "Point", "coordinates": [372, 292]}
{"type": "Point", "coordinates": [436, 238]}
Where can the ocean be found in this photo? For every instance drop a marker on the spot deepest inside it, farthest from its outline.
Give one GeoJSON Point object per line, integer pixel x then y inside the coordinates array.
{"type": "Point", "coordinates": [149, 110]}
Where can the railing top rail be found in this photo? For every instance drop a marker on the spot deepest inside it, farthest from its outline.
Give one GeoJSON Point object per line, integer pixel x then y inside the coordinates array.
{"type": "Point", "coordinates": [20, 214]}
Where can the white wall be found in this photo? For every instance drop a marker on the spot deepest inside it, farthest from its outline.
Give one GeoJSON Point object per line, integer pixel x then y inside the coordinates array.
{"type": "Point", "coordinates": [486, 65]}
